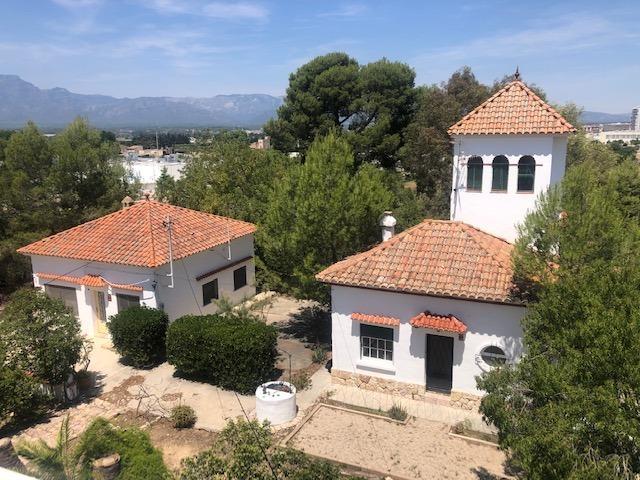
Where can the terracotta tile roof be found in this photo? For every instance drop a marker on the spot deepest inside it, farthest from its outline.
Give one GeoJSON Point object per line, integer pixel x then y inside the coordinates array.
{"type": "Point", "coordinates": [87, 280]}
{"type": "Point", "coordinates": [137, 235]}
{"type": "Point", "coordinates": [515, 109]}
{"type": "Point", "coordinates": [436, 257]}
{"type": "Point", "coordinates": [376, 319]}
{"type": "Point", "coordinates": [441, 323]}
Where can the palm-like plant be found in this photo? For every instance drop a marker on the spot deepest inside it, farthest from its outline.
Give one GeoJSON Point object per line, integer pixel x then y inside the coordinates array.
{"type": "Point", "coordinates": [52, 463]}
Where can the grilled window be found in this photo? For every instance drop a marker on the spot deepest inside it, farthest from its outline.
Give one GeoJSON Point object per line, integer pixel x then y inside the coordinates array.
{"type": "Point", "coordinates": [209, 292]}
{"type": "Point", "coordinates": [376, 342]}
{"type": "Point", "coordinates": [500, 174]}
{"type": "Point", "coordinates": [127, 301]}
{"type": "Point", "coordinates": [66, 294]}
{"type": "Point", "coordinates": [526, 174]}
{"type": "Point", "coordinates": [239, 277]}
{"type": "Point", "coordinates": [474, 174]}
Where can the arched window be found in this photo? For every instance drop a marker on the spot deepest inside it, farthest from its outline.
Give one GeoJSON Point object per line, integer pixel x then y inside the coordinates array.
{"type": "Point", "coordinates": [493, 356]}
{"type": "Point", "coordinates": [526, 173]}
{"type": "Point", "coordinates": [474, 174]}
{"type": "Point", "coordinates": [500, 174]}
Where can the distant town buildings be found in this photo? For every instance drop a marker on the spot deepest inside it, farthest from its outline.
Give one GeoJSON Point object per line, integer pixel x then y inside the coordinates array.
{"type": "Point", "coordinates": [261, 144]}
{"type": "Point", "coordinates": [626, 132]}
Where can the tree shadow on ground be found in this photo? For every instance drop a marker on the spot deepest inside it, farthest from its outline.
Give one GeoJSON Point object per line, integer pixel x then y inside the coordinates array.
{"type": "Point", "coordinates": [311, 325]}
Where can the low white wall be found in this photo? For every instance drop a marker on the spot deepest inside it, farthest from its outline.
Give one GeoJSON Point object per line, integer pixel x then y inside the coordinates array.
{"type": "Point", "coordinates": [499, 212]}
{"type": "Point", "coordinates": [488, 324]}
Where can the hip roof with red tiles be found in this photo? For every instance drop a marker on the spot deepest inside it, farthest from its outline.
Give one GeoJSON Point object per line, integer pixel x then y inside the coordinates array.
{"type": "Point", "coordinates": [437, 258]}
{"type": "Point", "coordinates": [515, 109]}
{"type": "Point", "coordinates": [138, 235]}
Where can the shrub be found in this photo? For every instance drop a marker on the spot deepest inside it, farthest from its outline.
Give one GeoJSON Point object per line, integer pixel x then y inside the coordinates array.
{"type": "Point", "coordinates": [138, 458]}
{"type": "Point", "coordinates": [20, 395]}
{"type": "Point", "coordinates": [138, 334]}
{"type": "Point", "coordinates": [398, 412]}
{"type": "Point", "coordinates": [234, 353]}
{"type": "Point", "coordinates": [39, 335]}
{"type": "Point", "coordinates": [301, 380]}
{"type": "Point", "coordinates": [239, 454]}
{"type": "Point", "coordinates": [183, 416]}
{"type": "Point", "coordinates": [319, 354]}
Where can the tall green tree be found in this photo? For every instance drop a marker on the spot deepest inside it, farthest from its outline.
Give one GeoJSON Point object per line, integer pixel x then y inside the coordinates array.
{"type": "Point", "coordinates": [570, 409]}
{"type": "Point", "coordinates": [373, 103]}
{"type": "Point", "coordinates": [321, 211]}
{"type": "Point", "coordinates": [228, 178]}
{"type": "Point", "coordinates": [427, 153]}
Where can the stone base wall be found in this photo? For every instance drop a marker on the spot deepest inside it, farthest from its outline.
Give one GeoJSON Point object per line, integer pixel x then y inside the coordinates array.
{"type": "Point", "coordinates": [465, 401]}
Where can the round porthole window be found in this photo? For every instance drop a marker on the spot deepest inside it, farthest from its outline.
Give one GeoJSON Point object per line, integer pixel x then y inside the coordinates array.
{"type": "Point", "coordinates": [493, 356]}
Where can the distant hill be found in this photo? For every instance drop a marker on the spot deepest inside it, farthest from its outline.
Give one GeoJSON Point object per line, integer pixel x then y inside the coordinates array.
{"type": "Point", "coordinates": [601, 117]}
{"type": "Point", "coordinates": [21, 101]}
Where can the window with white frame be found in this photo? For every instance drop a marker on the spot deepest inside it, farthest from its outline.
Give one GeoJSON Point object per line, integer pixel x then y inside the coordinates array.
{"type": "Point", "coordinates": [127, 301]}
{"type": "Point", "coordinates": [376, 342]}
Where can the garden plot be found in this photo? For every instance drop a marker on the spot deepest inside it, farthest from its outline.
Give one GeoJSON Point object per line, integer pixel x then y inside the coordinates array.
{"type": "Point", "coordinates": [420, 449]}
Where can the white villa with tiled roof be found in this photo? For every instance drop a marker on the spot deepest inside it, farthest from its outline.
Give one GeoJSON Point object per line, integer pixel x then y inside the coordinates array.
{"type": "Point", "coordinates": [149, 253]}
{"type": "Point", "coordinates": [431, 308]}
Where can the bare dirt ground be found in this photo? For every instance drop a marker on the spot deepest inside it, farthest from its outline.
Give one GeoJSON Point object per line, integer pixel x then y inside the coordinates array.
{"type": "Point", "coordinates": [419, 450]}
{"type": "Point", "coordinates": [175, 443]}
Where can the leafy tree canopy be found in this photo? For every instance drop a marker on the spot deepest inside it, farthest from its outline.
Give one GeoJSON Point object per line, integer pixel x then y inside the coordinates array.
{"type": "Point", "coordinates": [569, 409]}
{"type": "Point", "coordinates": [40, 336]}
{"type": "Point", "coordinates": [320, 212]}
{"type": "Point", "coordinates": [373, 103]}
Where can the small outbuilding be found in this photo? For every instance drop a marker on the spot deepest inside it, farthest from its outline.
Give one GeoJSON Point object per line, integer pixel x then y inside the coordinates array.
{"type": "Point", "coordinates": [148, 253]}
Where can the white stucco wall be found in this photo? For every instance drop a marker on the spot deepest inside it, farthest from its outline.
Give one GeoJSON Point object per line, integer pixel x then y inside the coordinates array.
{"type": "Point", "coordinates": [184, 298]}
{"type": "Point", "coordinates": [499, 212]}
{"type": "Point", "coordinates": [181, 300]}
{"type": "Point", "coordinates": [488, 324]}
{"type": "Point", "coordinates": [121, 274]}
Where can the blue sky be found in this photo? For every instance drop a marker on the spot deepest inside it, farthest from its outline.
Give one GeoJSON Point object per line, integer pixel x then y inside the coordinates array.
{"type": "Point", "coordinates": [583, 51]}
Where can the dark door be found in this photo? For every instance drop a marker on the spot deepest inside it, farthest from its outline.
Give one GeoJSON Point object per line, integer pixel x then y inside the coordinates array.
{"type": "Point", "coordinates": [439, 362]}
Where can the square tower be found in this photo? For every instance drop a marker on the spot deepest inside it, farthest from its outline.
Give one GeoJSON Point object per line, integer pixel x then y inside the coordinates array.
{"type": "Point", "coordinates": [506, 152]}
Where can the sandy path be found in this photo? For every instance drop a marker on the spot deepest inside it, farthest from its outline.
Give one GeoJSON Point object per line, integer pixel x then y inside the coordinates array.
{"type": "Point", "coordinates": [421, 449]}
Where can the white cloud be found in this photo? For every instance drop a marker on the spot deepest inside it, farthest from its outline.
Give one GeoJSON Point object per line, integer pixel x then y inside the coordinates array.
{"type": "Point", "coordinates": [349, 10]}
{"type": "Point", "coordinates": [235, 10]}
{"type": "Point", "coordinates": [222, 10]}
{"type": "Point", "coordinates": [72, 4]}
{"type": "Point", "coordinates": [548, 37]}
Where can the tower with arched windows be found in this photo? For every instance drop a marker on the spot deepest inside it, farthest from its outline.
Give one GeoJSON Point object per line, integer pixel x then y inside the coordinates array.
{"type": "Point", "coordinates": [506, 152]}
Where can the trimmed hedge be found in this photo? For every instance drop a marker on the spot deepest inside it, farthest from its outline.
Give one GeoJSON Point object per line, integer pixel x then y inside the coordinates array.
{"type": "Point", "coordinates": [235, 353]}
{"type": "Point", "coordinates": [138, 335]}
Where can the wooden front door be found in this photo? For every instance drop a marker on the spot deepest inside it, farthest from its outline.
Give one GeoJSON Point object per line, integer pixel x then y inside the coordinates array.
{"type": "Point", "coordinates": [439, 363]}
{"type": "Point", "coordinates": [100, 313]}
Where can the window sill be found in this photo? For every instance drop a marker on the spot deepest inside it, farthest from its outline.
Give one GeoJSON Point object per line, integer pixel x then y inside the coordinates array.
{"type": "Point", "coordinates": [383, 366]}
{"type": "Point", "coordinates": [525, 192]}
{"type": "Point", "coordinates": [499, 191]}
{"type": "Point", "coordinates": [473, 191]}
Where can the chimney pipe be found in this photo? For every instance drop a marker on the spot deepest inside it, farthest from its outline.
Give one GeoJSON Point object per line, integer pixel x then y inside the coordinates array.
{"type": "Point", "coordinates": [388, 224]}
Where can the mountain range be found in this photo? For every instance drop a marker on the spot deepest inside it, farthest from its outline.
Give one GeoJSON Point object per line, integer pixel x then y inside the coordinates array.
{"type": "Point", "coordinates": [21, 101]}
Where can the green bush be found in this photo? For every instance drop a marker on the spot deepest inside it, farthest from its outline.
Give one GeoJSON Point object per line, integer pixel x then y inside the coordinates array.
{"type": "Point", "coordinates": [20, 396]}
{"type": "Point", "coordinates": [183, 416]}
{"type": "Point", "coordinates": [237, 353]}
{"type": "Point", "coordinates": [301, 380]}
{"type": "Point", "coordinates": [39, 335]}
{"type": "Point", "coordinates": [138, 458]}
{"type": "Point", "coordinates": [238, 453]}
{"type": "Point", "coordinates": [398, 412]}
{"type": "Point", "coordinates": [319, 354]}
{"type": "Point", "coordinates": [138, 334]}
